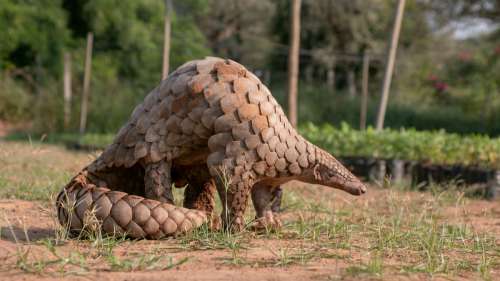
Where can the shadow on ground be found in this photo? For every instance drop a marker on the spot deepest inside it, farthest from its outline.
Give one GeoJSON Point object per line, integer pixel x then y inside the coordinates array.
{"type": "Point", "coordinates": [18, 234]}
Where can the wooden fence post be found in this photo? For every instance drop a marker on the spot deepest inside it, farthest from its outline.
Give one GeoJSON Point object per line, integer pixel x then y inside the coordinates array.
{"type": "Point", "coordinates": [67, 89]}
{"type": "Point", "coordinates": [86, 83]}
{"type": "Point", "coordinates": [364, 90]}
{"type": "Point", "coordinates": [390, 65]}
{"type": "Point", "coordinates": [166, 38]}
{"type": "Point", "coordinates": [293, 61]}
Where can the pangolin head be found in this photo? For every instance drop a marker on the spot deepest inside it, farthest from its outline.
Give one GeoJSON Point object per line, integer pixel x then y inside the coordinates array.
{"type": "Point", "coordinates": [330, 172]}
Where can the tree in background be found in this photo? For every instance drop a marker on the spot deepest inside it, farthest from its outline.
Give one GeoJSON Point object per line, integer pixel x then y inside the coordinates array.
{"type": "Point", "coordinates": [334, 36]}
{"type": "Point", "coordinates": [293, 62]}
{"type": "Point", "coordinates": [240, 30]}
{"type": "Point", "coordinates": [33, 34]}
{"type": "Point", "coordinates": [337, 33]}
{"type": "Point", "coordinates": [127, 52]}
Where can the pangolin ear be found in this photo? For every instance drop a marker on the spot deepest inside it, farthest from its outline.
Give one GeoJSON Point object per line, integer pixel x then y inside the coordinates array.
{"type": "Point", "coordinates": [317, 172]}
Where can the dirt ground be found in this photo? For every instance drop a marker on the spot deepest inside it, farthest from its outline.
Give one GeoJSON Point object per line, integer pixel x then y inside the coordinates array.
{"type": "Point", "coordinates": [389, 234]}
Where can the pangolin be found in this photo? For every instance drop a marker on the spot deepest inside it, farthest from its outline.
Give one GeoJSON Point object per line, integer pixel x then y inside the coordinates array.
{"type": "Point", "coordinates": [214, 125]}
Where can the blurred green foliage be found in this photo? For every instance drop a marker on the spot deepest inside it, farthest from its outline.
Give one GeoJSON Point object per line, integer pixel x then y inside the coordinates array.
{"type": "Point", "coordinates": [126, 64]}
{"type": "Point", "coordinates": [437, 147]}
{"type": "Point", "coordinates": [439, 82]}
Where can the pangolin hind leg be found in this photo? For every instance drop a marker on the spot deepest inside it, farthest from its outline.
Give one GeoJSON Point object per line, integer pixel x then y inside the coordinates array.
{"type": "Point", "coordinates": [201, 197]}
{"type": "Point", "coordinates": [158, 181]}
{"type": "Point", "coordinates": [200, 191]}
{"type": "Point", "coordinates": [276, 201]}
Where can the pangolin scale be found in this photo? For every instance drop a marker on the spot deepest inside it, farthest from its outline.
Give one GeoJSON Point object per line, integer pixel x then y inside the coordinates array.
{"type": "Point", "coordinates": [209, 118]}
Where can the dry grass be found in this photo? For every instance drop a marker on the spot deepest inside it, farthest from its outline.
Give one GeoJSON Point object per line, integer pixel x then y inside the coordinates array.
{"type": "Point", "coordinates": [388, 234]}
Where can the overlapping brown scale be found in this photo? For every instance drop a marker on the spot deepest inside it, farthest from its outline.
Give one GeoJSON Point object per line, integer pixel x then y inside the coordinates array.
{"type": "Point", "coordinates": [248, 111]}
{"type": "Point", "coordinates": [244, 86]}
{"type": "Point", "coordinates": [189, 66]}
{"type": "Point", "coordinates": [280, 165]}
{"type": "Point", "coordinates": [202, 132]}
{"type": "Point", "coordinates": [219, 141]}
{"type": "Point", "coordinates": [151, 100]}
{"type": "Point", "coordinates": [141, 149]}
{"type": "Point", "coordinates": [138, 112]}
{"type": "Point", "coordinates": [260, 167]}
{"type": "Point", "coordinates": [126, 214]}
{"type": "Point", "coordinates": [215, 91]}
{"type": "Point", "coordinates": [252, 141]}
{"type": "Point", "coordinates": [225, 123]}
{"type": "Point", "coordinates": [272, 120]}
{"type": "Point", "coordinates": [187, 126]}
{"type": "Point", "coordinates": [303, 160]}
{"type": "Point", "coordinates": [252, 77]}
{"type": "Point", "coordinates": [228, 72]}
{"type": "Point", "coordinates": [155, 154]}
{"type": "Point", "coordinates": [180, 84]}
{"type": "Point", "coordinates": [197, 113]}
{"type": "Point", "coordinates": [241, 130]}
{"type": "Point", "coordinates": [210, 115]}
{"type": "Point", "coordinates": [142, 124]}
{"type": "Point", "coordinates": [234, 148]}
{"type": "Point", "coordinates": [199, 82]}
{"type": "Point", "coordinates": [108, 154]}
{"type": "Point", "coordinates": [120, 155]}
{"type": "Point", "coordinates": [156, 112]}
{"type": "Point", "coordinates": [152, 134]}
{"type": "Point", "coordinates": [178, 106]}
{"type": "Point", "coordinates": [206, 66]}
{"type": "Point", "coordinates": [263, 150]}
{"type": "Point", "coordinates": [164, 88]}
{"type": "Point", "coordinates": [129, 158]}
{"type": "Point", "coordinates": [231, 102]}
{"type": "Point", "coordinates": [173, 124]}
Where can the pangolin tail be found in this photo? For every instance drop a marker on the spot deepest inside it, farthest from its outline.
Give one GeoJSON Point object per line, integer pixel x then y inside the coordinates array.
{"type": "Point", "coordinates": [118, 213]}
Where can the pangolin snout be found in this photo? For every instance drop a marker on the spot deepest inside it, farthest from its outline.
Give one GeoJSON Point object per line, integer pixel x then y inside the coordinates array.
{"type": "Point", "coordinates": [361, 188]}
{"type": "Point", "coordinates": [355, 187]}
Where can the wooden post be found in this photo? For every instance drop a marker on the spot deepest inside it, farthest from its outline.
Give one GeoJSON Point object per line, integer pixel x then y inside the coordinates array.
{"type": "Point", "coordinates": [391, 56]}
{"type": "Point", "coordinates": [351, 81]}
{"type": "Point", "coordinates": [86, 83]}
{"type": "Point", "coordinates": [364, 90]}
{"type": "Point", "coordinates": [330, 75]}
{"type": "Point", "coordinates": [67, 89]}
{"type": "Point", "coordinates": [293, 61]}
{"type": "Point", "coordinates": [166, 38]}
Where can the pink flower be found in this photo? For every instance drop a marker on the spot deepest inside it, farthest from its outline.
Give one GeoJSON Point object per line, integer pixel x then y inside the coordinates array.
{"type": "Point", "coordinates": [441, 86]}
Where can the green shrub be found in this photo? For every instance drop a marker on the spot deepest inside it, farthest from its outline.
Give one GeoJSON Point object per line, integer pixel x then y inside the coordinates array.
{"type": "Point", "coordinates": [436, 147]}
{"type": "Point", "coordinates": [317, 104]}
{"type": "Point", "coordinates": [15, 101]}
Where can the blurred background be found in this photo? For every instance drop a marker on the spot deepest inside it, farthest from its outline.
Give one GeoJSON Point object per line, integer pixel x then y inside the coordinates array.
{"type": "Point", "coordinates": [446, 74]}
{"type": "Point", "coordinates": [71, 72]}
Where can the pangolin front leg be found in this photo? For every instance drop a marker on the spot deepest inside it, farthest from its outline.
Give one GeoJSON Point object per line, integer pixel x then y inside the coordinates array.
{"type": "Point", "coordinates": [265, 198]}
{"type": "Point", "coordinates": [234, 200]}
{"type": "Point", "coordinates": [234, 181]}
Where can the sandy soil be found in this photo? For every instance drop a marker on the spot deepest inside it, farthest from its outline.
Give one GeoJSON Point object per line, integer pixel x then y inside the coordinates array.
{"type": "Point", "coordinates": [32, 220]}
{"type": "Point", "coordinates": [27, 229]}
